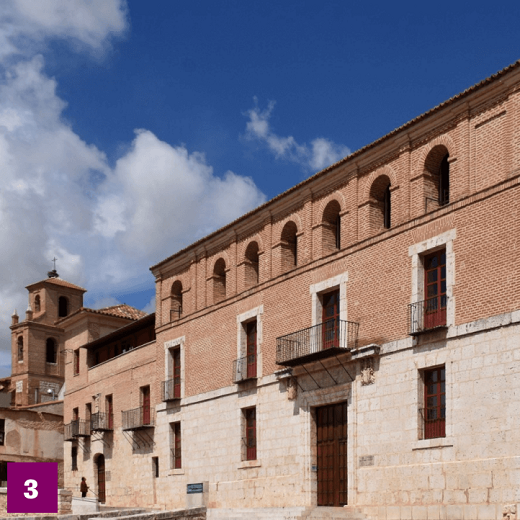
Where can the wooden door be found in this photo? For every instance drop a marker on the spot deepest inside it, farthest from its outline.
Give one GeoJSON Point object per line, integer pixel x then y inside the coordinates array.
{"type": "Point", "coordinates": [251, 349]}
{"type": "Point", "coordinates": [331, 424]}
{"type": "Point", "coordinates": [101, 478]}
{"type": "Point", "coordinates": [330, 320]}
{"type": "Point", "coordinates": [435, 290]}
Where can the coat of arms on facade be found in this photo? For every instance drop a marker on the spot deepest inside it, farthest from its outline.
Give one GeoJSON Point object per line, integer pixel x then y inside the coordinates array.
{"type": "Point", "coordinates": [367, 371]}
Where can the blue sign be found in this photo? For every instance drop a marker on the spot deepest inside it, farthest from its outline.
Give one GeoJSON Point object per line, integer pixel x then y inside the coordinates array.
{"type": "Point", "coordinates": [195, 488]}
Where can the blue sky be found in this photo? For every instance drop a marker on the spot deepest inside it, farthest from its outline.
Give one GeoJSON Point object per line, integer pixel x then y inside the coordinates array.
{"type": "Point", "coordinates": [130, 129]}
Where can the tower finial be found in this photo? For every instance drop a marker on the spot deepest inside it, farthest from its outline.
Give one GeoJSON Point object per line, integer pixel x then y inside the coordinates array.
{"type": "Point", "coordinates": [53, 273]}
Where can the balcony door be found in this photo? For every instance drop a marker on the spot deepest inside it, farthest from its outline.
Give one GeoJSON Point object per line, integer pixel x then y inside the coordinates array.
{"type": "Point", "coordinates": [146, 404]}
{"type": "Point", "coordinates": [331, 423]}
{"type": "Point", "coordinates": [435, 290]}
{"type": "Point", "coordinates": [330, 320]}
{"type": "Point", "coordinates": [251, 349]}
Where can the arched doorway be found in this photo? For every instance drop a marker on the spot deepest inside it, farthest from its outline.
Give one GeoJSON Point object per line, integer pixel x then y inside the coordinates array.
{"type": "Point", "coordinates": [100, 463]}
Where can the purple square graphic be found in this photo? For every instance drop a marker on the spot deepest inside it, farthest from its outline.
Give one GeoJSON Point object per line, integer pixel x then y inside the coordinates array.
{"type": "Point", "coordinates": [32, 487]}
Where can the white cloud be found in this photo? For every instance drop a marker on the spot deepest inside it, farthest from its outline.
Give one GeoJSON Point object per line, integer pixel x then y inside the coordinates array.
{"type": "Point", "coordinates": [318, 155]}
{"type": "Point", "coordinates": [59, 196]}
{"type": "Point", "coordinates": [25, 24]}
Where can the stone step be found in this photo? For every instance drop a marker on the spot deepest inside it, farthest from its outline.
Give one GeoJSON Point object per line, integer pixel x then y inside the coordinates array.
{"type": "Point", "coordinates": [287, 513]}
{"type": "Point", "coordinates": [334, 513]}
{"type": "Point", "coordinates": [256, 513]}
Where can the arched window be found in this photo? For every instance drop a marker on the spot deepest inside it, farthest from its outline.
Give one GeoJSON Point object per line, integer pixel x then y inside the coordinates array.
{"type": "Point", "coordinates": [289, 242]}
{"type": "Point", "coordinates": [176, 301]}
{"type": "Point", "coordinates": [51, 351]}
{"type": "Point", "coordinates": [437, 178]}
{"type": "Point", "coordinates": [219, 280]}
{"type": "Point", "coordinates": [37, 306]}
{"type": "Point", "coordinates": [331, 227]}
{"type": "Point", "coordinates": [381, 207]}
{"type": "Point", "coordinates": [20, 348]}
{"type": "Point", "coordinates": [63, 307]}
{"type": "Point", "coordinates": [252, 265]}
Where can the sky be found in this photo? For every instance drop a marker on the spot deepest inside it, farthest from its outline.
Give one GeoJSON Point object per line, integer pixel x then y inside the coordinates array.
{"type": "Point", "coordinates": [129, 130]}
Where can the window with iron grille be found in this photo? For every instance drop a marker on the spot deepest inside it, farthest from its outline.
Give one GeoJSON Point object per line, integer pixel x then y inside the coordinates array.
{"type": "Point", "coordinates": [434, 411]}
{"type": "Point", "coordinates": [250, 433]}
{"type": "Point", "coordinates": [76, 362]}
{"type": "Point", "coordinates": [175, 445]}
{"type": "Point", "coordinates": [74, 458]}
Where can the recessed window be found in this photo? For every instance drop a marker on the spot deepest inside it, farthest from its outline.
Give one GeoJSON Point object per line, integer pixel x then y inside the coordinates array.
{"type": "Point", "coordinates": [20, 348]}
{"type": "Point", "coordinates": [434, 411]}
{"type": "Point", "coordinates": [175, 445]}
{"type": "Point", "coordinates": [251, 265]}
{"type": "Point", "coordinates": [250, 433]}
{"type": "Point", "coordinates": [51, 351]}
{"type": "Point", "coordinates": [76, 362]}
{"type": "Point", "coordinates": [176, 301]}
{"type": "Point", "coordinates": [289, 245]}
{"type": "Point", "coordinates": [37, 305]}
{"type": "Point", "coordinates": [331, 227]}
{"type": "Point", "coordinates": [219, 280]}
{"type": "Point", "coordinates": [155, 467]}
{"type": "Point", "coordinates": [63, 307]}
{"type": "Point", "coordinates": [2, 432]}
{"type": "Point", "coordinates": [381, 204]}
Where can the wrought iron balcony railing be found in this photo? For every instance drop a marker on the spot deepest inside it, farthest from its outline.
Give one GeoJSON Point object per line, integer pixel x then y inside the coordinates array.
{"type": "Point", "coordinates": [171, 390]}
{"type": "Point", "coordinates": [102, 422]}
{"type": "Point", "coordinates": [434, 422]}
{"type": "Point", "coordinates": [76, 429]}
{"type": "Point", "coordinates": [138, 418]}
{"type": "Point", "coordinates": [327, 339]}
{"type": "Point", "coordinates": [244, 368]}
{"type": "Point", "coordinates": [427, 315]}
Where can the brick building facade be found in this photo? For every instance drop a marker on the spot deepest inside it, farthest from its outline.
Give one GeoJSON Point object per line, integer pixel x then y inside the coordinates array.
{"type": "Point", "coordinates": [353, 341]}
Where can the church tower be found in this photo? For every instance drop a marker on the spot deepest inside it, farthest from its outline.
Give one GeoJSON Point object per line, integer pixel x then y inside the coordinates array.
{"type": "Point", "coordinates": [37, 342]}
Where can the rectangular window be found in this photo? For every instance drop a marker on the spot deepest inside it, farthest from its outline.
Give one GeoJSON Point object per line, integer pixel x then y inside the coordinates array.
{"type": "Point", "coordinates": [76, 362]}
{"type": "Point", "coordinates": [435, 290]}
{"type": "Point", "coordinates": [2, 431]}
{"type": "Point", "coordinates": [75, 414]}
{"type": "Point", "coordinates": [74, 457]}
{"type": "Point", "coordinates": [155, 467]}
{"type": "Point", "coordinates": [175, 445]}
{"type": "Point", "coordinates": [434, 412]}
{"type": "Point", "coordinates": [251, 349]}
{"type": "Point", "coordinates": [88, 412]}
{"type": "Point", "coordinates": [145, 400]}
{"type": "Point", "coordinates": [250, 433]}
{"type": "Point", "coordinates": [3, 474]}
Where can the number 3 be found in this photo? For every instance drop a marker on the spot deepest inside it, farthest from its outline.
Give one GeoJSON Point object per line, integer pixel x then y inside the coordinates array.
{"type": "Point", "coordinates": [31, 487]}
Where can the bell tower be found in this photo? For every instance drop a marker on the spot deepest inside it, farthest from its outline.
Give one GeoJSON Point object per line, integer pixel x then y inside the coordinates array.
{"type": "Point", "coordinates": [37, 342]}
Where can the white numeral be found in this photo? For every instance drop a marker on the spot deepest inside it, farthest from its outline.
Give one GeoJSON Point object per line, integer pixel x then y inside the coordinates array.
{"type": "Point", "coordinates": [31, 488]}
